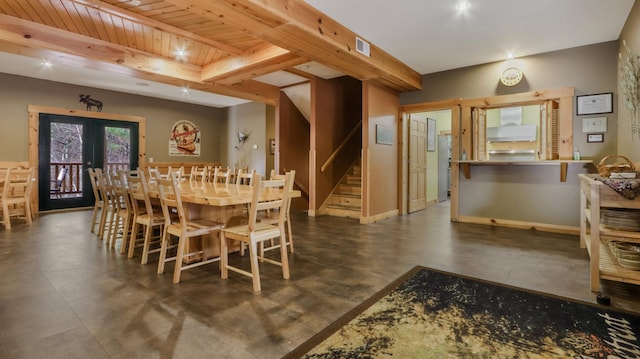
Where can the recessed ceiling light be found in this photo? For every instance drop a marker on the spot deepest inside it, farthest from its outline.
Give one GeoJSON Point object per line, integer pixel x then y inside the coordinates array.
{"type": "Point", "coordinates": [46, 63]}
{"type": "Point", "coordinates": [510, 55]}
{"type": "Point", "coordinates": [184, 90]}
{"type": "Point", "coordinates": [462, 6]}
{"type": "Point", "coordinates": [181, 54]}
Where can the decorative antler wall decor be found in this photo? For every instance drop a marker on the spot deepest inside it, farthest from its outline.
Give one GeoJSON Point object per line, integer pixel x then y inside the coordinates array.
{"type": "Point", "coordinates": [243, 136]}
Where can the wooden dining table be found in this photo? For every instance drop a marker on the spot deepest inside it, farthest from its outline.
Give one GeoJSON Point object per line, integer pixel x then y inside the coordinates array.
{"type": "Point", "coordinates": [224, 203]}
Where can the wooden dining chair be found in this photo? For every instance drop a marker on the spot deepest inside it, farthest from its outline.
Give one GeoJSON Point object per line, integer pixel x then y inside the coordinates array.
{"type": "Point", "coordinates": [98, 204]}
{"type": "Point", "coordinates": [178, 172]}
{"type": "Point", "coordinates": [198, 174]}
{"type": "Point", "coordinates": [144, 215]}
{"type": "Point", "coordinates": [154, 174]}
{"type": "Point", "coordinates": [16, 195]}
{"type": "Point", "coordinates": [273, 217]}
{"type": "Point", "coordinates": [221, 175]}
{"type": "Point", "coordinates": [123, 221]}
{"type": "Point", "coordinates": [244, 177]}
{"type": "Point", "coordinates": [4, 189]}
{"type": "Point", "coordinates": [183, 228]}
{"type": "Point", "coordinates": [113, 205]}
{"type": "Point", "coordinates": [266, 195]}
{"type": "Point", "coordinates": [106, 210]}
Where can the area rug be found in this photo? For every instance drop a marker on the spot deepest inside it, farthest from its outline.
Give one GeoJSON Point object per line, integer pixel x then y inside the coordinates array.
{"type": "Point", "coordinates": [432, 314]}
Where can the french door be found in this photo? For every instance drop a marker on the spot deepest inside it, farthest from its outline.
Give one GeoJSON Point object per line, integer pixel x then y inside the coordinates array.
{"type": "Point", "coordinates": [69, 145]}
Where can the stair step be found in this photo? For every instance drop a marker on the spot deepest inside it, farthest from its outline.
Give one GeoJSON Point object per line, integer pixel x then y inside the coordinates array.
{"type": "Point", "coordinates": [346, 199]}
{"type": "Point", "coordinates": [346, 188]}
{"type": "Point", "coordinates": [351, 179]}
{"type": "Point", "coordinates": [343, 211]}
{"type": "Point", "coordinates": [344, 206]}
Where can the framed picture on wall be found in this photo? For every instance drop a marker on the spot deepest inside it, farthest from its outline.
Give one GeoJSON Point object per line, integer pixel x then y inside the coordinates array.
{"type": "Point", "coordinates": [431, 135]}
{"type": "Point", "coordinates": [595, 137]}
{"type": "Point", "coordinates": [384, 135]}
{"type": "Point", "coordinates": [594, 104]}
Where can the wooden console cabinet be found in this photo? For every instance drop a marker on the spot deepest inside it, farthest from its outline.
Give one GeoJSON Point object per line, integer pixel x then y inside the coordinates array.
{"type": "Point", "coordinates": [595, 195]}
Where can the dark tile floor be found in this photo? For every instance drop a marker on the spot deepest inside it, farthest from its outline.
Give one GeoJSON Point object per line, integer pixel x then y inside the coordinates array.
{"type": "Point", "coordinates": [63, 294]}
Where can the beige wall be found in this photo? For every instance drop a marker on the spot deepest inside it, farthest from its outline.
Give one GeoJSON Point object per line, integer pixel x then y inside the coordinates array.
{"type": "Point", "coordinates": [248, 117]}
{"type": "Point", "coordinates": [628, 146]}
{"type": "Point", "coordinates": [379, 161]}
{"type": "Point", "coordinates": [17, 93]}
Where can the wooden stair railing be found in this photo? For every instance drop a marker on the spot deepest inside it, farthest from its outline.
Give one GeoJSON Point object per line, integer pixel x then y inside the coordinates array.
{"type": "Point", "coordinates": [340, 147]}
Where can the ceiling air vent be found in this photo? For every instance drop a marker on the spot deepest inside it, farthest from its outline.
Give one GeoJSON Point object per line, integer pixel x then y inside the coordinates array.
{"type": "Point", "coordinates": [363, 47]}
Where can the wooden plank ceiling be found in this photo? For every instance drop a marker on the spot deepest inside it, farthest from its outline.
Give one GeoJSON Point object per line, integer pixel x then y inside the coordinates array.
{"type": "Point", "coordinates": [217, 46]}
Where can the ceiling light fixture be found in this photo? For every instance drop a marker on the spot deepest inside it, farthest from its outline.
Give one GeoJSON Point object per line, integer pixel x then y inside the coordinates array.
{"type": "Point", "coordinates": [46, 64]}
{"type": "Point", "coordinates": [181, 54]}
{"type": "Point", "coordinates": [185, 90]}
{"type": "Point", "coordinates": [462, 6]}
{"type": "Point", "coordinates": [510, 55]}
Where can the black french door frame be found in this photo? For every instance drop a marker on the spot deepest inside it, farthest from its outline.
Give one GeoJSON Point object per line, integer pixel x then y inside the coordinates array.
{"type": "Point", "coordinates": [93, 154]}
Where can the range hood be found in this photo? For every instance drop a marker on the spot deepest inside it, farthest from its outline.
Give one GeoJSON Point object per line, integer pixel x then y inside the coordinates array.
{"type": "Point", "coordinates": [512, 133]}
{"type": "Point", "coordinates": [511, 128]}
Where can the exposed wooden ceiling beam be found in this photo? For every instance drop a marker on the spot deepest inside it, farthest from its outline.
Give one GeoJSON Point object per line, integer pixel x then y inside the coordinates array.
{"type": "Point", "coordinates": [30, 39]}
{"type": "Point", "coordinates": [300, 73]}
{"type": "Point", "coordinates": [300, 28]}
{"type": "Point", "coordinates": [125, 14]}
{"type": "Point", "coordinates": [254, 62]}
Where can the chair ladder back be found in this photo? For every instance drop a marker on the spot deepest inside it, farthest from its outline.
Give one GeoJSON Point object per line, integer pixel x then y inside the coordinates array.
{"type": "Point", "coordinates": [274, 197]}
{"type": "Point", "coordinates": [145, 194]}
{"type": "Point", "coordinates": [4, 174]}
{"type": "Point", "coordinates": [94, 184]}
{"type": "Point", "coordinates": [19, 182]}
{"type": "Point", "coordinates": [222, 176]}
{"type": "Point", "coordinates": [244, 177]}
{"type": "Point", "coordinates": [136, 192]}
{"type": "Point", "coordinates": [16, 199]}
{"type": "Point", "coordinates": [198, 174]}
{"type": "Point", "coordinates": [170, 200]}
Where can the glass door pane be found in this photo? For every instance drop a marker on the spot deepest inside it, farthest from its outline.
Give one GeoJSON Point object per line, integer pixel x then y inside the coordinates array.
{"type": "Point", "coordinates": [66, 162]}
{"type": "Point", "coordinates": [117, 148]}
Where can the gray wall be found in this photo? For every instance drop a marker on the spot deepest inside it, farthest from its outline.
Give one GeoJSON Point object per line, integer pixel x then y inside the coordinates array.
{"type": "Point", "coordinates": [249, 117]}
{"type": "Point", "coordinates": [17, 93]}
{"type": "Point", "coordinates": [589, 69]}
{"type": "Point", "coordinates": [531, 193]}
{"type": "Point", "coordinates": [524, 193]}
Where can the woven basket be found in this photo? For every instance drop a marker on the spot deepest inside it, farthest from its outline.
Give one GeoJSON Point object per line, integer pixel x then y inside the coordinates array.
{"type": "Point", "coordinates": [605, 170]}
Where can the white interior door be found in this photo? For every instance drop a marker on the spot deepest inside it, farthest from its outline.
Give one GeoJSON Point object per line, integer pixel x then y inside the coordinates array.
{"type": "Point", "coordinates": [417, 163]}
